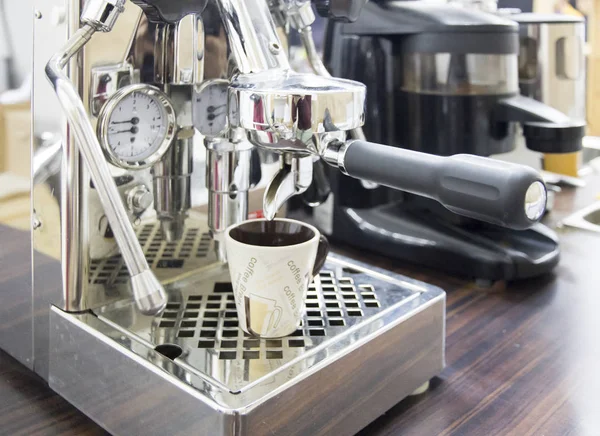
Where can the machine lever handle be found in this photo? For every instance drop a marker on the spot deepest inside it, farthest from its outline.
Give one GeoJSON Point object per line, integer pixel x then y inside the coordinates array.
{"type": "Point", "coordinates": [346, 11]}
{"type": "Point", "coordinates": [501, 193]}
{"type": "Point", "coordinates": [170, 11]}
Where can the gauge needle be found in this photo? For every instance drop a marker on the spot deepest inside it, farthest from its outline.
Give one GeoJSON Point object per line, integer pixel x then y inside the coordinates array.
{"type": "Point", "coordinates": [212, 117]}
{"type": "Point", "coordinates": [212, 114]}
{"type": "Point", "coordinates": [133, 130]}
{"type": "Point", "coordinates": [214, 108]}
{"type": "Point", "coordinates": [134, 121]}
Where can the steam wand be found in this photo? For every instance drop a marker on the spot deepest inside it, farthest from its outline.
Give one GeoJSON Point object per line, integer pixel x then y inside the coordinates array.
{"type": "Point", "coordinates": [101, 15]}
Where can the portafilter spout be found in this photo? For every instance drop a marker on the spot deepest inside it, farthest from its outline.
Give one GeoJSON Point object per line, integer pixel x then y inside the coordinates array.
{"type": "Point", "coordinates": [293, 178]}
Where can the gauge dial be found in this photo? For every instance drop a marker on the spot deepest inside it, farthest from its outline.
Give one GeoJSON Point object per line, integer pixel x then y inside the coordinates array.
{"type": "Point", "coordinates": [210, 108]}
{"type": "Point", "coordinates": [136, 126]}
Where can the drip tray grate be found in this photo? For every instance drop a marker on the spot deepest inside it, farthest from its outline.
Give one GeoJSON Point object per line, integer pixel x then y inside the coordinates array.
{"type": "Point", "coordinates": [193, 249]}
{"type": "Point", "coordinates": [212, 319]}
{"type": "Point", "coordinates": [201, 319]}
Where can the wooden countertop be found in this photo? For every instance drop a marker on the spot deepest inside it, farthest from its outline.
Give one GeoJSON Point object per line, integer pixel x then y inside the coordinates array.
{"type": "Point", "coordinates": [522, 359]}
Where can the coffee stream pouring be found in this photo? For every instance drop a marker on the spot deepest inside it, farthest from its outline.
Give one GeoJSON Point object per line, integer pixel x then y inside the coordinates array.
{"type": "Point", "coordinates": [302, 117]}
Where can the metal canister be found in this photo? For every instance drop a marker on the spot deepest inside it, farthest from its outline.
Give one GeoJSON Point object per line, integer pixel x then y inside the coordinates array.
{"type": "Point", "coordinates": [552, 61]}
{"type": "Point", "coordinates": [552, 70]}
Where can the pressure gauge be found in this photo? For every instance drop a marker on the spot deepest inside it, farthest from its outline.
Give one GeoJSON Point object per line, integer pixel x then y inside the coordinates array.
{"type": "Point", "coordinates": [136, 126]}
{"type": "Point", "coordinates": [210, 107]}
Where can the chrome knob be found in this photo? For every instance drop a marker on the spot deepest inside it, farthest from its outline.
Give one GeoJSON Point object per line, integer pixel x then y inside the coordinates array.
{"type": "Point", "coordinates": [139, 198]}
{"type": "Point", "coordinates": [536, 199]}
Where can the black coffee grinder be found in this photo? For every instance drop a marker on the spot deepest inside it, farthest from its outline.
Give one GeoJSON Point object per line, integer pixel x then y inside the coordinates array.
{"type": "Point", "coordinates": [441, 80]}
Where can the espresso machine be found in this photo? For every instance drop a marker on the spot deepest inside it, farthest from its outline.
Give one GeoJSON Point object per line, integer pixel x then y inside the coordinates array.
{"type": "Point", "coordinates": [131, 312]}
{"type": "Point", "coordinates": [441, 80]}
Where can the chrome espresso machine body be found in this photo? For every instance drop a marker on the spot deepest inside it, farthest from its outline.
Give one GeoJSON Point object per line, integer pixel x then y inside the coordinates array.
{"type": "Point", "coordinates": [132, 313]}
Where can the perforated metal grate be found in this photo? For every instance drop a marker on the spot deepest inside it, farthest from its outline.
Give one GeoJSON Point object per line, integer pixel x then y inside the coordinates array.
{"type": "Point", "coordinates": [160, 254]}
{"type": "Point", "coordinates": [211, 321]}
{"type": "Point", "coordinates": [343, 304]}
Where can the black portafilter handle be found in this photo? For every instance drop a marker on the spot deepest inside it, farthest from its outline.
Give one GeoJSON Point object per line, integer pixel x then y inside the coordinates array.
{"type": "Point", "coordinates": [506, 194]}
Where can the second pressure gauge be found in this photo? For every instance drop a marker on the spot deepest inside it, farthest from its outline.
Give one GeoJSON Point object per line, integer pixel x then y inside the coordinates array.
{"type": "Point", "coordinates": [210, 107]}
{"type": "Point", "coordinates": [136, 126]}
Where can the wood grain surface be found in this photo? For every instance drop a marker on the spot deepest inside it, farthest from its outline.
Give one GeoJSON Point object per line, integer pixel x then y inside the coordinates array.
{"type": "Point", "coordinates": [522, 358]}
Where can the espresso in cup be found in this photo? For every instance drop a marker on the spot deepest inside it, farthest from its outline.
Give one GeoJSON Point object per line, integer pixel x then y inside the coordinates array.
{"type": "Point", "coordinates": [271, 264]}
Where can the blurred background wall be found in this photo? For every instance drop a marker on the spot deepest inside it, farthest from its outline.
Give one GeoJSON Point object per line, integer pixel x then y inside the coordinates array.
{"type": "Point", "coordinates": [16, 43]}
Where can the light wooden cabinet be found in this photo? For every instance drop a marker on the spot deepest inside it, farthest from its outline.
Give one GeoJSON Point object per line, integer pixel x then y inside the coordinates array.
{"type": "Point", "coordinates": [15, 134]}
{"type": "Point", "coordinates": [593, 103]}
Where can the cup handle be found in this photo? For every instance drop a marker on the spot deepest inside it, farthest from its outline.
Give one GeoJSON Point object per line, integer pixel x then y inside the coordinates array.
{"type": "Point", "coordinates": [322, 253]}
{"type": "Point", "coordinates": [248, 322]}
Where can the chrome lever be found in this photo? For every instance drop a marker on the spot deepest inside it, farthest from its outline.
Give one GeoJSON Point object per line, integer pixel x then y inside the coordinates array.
{"type": "Point", "coordinates": [301, 18]}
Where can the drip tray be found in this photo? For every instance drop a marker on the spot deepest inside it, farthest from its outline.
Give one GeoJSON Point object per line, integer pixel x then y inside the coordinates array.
{"type": "Point", "coordinates": [368, 339]}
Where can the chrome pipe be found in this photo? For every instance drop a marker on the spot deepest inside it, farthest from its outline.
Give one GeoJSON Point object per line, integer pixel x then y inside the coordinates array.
{"type": "Point", "coordinates": [228, 182]}
{"type": "Point", "coordinates": [149, 294]}
{"type": "Point", "coordinates": [306, 36]}
{"type": "Point", "coordinates": [172, 187]}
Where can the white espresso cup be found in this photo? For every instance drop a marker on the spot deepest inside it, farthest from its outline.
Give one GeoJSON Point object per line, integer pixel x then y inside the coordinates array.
{"type": "Point", "coordinates": [271, 264]}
